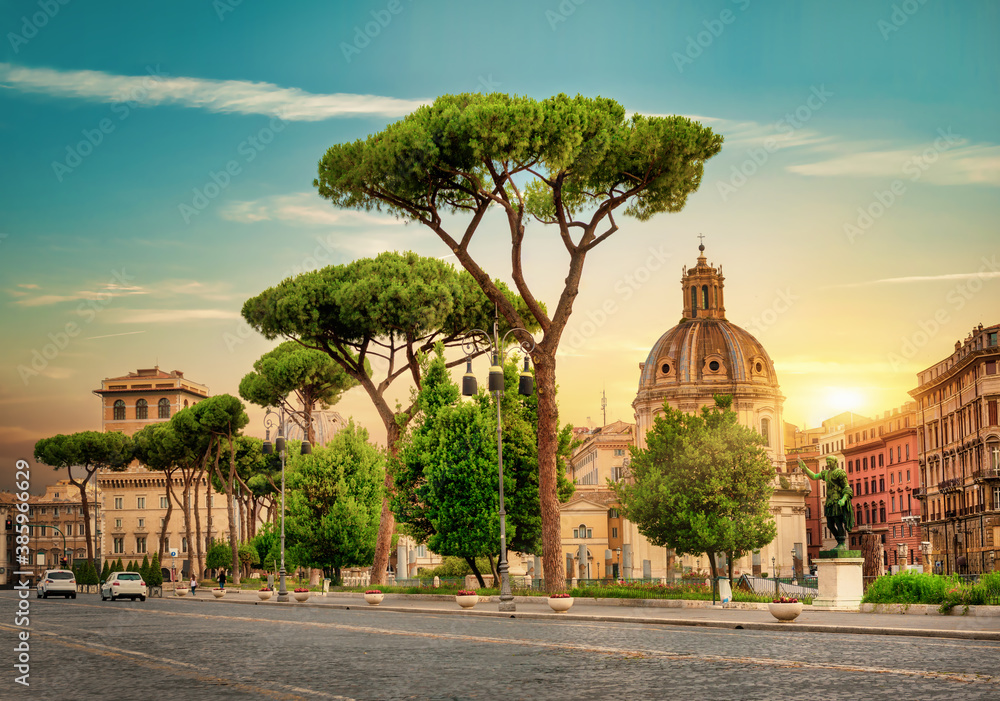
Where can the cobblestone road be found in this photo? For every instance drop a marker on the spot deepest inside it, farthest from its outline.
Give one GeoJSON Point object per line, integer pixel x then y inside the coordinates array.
{"type": "Point", "coordinates": [192, 650]}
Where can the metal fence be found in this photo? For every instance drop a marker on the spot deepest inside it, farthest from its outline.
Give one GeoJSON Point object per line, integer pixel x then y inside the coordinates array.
{"type": "Point", "coordinates": [763, 586]}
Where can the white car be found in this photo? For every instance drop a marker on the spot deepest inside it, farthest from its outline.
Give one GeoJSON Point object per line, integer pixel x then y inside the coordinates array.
{"type": "Point", "coordinates": [57, 583]}
{"type": "Point", "coordinates": [123, 585]}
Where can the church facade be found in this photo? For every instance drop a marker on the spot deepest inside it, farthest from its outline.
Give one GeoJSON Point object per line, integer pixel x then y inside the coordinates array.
{"type": "Point", "coordinates": [704, 355]}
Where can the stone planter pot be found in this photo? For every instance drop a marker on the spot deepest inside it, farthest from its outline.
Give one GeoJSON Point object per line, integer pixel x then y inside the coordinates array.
{"type": "Point", "coordinates": [560, 604]}
{"type": "Point", "coordinates": [300, 595]}
{"type": "Point", "coordinates": [218, 593]}
{"type": "Point", "coordinates": [467, 601]}
{"type": "Point", "coordinates": [156, 592]}
{"type": "Point", "coordinates": [180, 591]}
{"type": "Point", "coordinates": [785, 613]}
{"type": "Point", "coordinates": [374, 599]}
{"type": "Point", "coordinates": [264, 595]}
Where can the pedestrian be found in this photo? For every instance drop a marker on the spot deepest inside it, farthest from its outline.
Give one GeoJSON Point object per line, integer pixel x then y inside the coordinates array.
{"type": "Point", "coordinates": [194, 584]}
{"type": "Point", "coordinates": [222, 579]}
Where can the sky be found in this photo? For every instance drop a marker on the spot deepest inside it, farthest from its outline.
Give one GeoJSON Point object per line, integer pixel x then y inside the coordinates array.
{"type": "Point", "coordinates": [159, 157]}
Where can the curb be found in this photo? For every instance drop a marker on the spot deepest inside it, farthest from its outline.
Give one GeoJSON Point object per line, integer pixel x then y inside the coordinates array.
{"type": "Point", "coordinates": [793, 627]}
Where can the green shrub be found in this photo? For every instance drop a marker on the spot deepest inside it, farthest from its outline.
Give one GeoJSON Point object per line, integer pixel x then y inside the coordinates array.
{"type": "Point", "coordinates": [154, 575]}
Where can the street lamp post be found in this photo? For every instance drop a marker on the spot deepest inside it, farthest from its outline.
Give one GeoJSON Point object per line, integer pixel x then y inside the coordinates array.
{"type": "Point", "coordinates": [495, 344]}
{"type": "Point", "coordinates": [270, 419]}
{"type": "Point", "coordinates": [774, 573]}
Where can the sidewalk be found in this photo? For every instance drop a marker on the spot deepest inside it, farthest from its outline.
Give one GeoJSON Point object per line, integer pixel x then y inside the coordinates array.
{"type": "Point", "coordinates": [647, 612]}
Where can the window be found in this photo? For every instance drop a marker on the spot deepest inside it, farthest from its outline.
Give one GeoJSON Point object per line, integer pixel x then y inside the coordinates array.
{"type": "Point", "coordinates": [583, 530]}
{"type": "Point", "coordinates": [184, 544]}
{"type": "Point", "coordinates": [907, 475]}
{"type": "Point", "coordinates": [164, 502]}
{"type": "Point", "coordinates": [119, 545]}
{"type": "Point", "coordinates": [892, 478]}
{"type": "Point", "coordinates": [163, 523]}
{"type": "Point", "coordinates": [141, 409]}
{"type": "Point", "coordinates": [619, 452]}
{"type": "Point", "coordinates": [69, 529]}
{"type": "Point", "coordinates": [850, 466]}
{"type": "Point", "coordinates": [141, 523]}
{"type": "Point", "coordinates": [808, 513]}
{"type": "Point", "coordinates": [890, 456]}
{"type": "Point", "coordinates": [119, 410]}
{"type": "Point", "coordinates": [809, 538]}
{"type": "Point", "coordinates": [119, 502]}
{"type": "Point", "coordinates": [614, 531]}
{"type": "Point", "coordinates": [907, 451]}
{"type": "Point", "coordinates": [140, 502]}
{"type": "Point", "coordinates": [118, 523]}
{"type": "Point", "coordinates": [893, 531]}
{"type": "Point", "coordinates": [765, 431]}
{"type": "Point", "coordinates": [880, 462]}
{"type": "Point", "coordinates": [421, 551]}
{"type": "Point", "coordinates": [164, 408]}
{"type": "Point", "coordinates": [881, 484]}
{"type": "Point", "coordinates": [140, 544]}
{"type": "Point", "coordinates": [881, 513]}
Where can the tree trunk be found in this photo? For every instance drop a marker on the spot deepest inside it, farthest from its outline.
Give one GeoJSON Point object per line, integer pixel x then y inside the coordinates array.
{"type": "Point", "coordinates": [729, 557]}
{"type": "Point", "coordinates": [195, 547]}
{"type": "Point", "coordinates": [387, 521]}
{"type": "Point", "coordinates": [186, 507]}
{"type": "Point", "coordinates": [475, 571]}
{"type": "Point", "coordinates": [548, 443]}
{"type": "Point", "coordinates": [234, 535]}
{"type": "Point", "coordinates": [170, 510]}
{"type": "Point", "coordinates": [85, 510]}
{"type": "Point", "coordinates": [493, 570]}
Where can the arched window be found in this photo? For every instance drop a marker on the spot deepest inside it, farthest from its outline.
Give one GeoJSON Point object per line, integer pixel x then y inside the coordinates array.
{"type": "Point", "coordinates": [704, 296]}
{"type": "Point", "coordinates": [694, 301]}
{"type": "Point", "coordinates": [583, 530]}
{"type": "Point", "coordinates": [141, 409]}
{"type": "Point", "coordinates": [765, 431]}
{"type": "Point", "coordinates": [164, 408]}
{"type": "Point", "coordinates": [119, 410]}
{"type": "Point", "coordinates": [881, 512]}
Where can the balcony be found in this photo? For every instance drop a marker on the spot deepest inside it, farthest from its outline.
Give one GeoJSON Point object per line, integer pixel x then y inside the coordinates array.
{"type": "Point", "coordinates": [951, 513]}
{"type": "Point", "coordinates": [986, 474]}
{"type": "Point", "coordinates": [919, 493]}
{"type": "Point", "coordinates": [952, 485]}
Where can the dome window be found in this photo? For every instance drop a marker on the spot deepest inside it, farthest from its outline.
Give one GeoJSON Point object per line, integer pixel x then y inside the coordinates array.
{"type": "Point", "coordinates": [714, 366]}
{"type": "Point", "coordinates": [665, 368]}
{"type": "Point", "coordinates": [759, 367]}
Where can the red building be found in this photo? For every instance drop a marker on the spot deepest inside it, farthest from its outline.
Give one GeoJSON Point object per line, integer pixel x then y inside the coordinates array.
{"type": "Point", "coordinates": [883, 470]}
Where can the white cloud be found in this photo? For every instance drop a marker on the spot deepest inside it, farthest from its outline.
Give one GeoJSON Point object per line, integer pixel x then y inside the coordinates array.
{"type": "Point", "coordinates": [159, 316]}
{"type": "Point", "coordinates": [947, 277]}
{"type": "Point", "coordinates": [304, 208]}
{"type": "Point", "coordinates": [965, 164]}
{"type": "Point", "coordinates": [110, 289]}
{"type": "Point", "coordinates": [225, 96]}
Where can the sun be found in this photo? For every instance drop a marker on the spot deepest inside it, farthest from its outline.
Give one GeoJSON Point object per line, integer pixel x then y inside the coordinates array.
{"type": "Point", "coordinates": [840, 399]}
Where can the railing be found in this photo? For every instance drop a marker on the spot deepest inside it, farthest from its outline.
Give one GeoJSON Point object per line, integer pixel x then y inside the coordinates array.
{"type": "Point", "coordinates": [951, 485]}
{"type": "Point", "coordinates": [950, 513]}
{"type": "Point", "coordinates": [986, 473]}
{"type": "Point", "coordinates": [919, 493]}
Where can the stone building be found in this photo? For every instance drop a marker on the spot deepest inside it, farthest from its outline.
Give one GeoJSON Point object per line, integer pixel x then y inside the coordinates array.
{"type": "Point", "coordinates": [55, 530]}
{"type": "Point", "coordinates": [959, 454]}
{"type": "Point", "coordinates": [146, 396]}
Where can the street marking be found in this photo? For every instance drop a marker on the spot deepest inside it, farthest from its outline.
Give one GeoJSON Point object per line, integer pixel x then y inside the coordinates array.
{"type": "Point", "coordinates": [165, 664]}
{"type": "Point", "coordinates": [958, 677]}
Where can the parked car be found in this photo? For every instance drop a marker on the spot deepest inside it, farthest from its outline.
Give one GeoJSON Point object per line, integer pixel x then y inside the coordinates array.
{"type": "Point", "coordinates": [56, 583]}
{"type": "Point", "coordinates": [123, 585]}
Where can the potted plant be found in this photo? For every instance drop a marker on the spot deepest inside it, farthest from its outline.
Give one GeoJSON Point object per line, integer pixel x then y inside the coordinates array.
{"type": "Point", "coordinates": [300, 594]}
{"type": "Point", "coordinates": [466, 598]}
{"type": "Point", "coordinates": [180, 589]}
{"type": "Point", "coordinates": [218, 592]}
{"type": "Point", "coordinates": [265, 592]}
{"type": "Point", "coordinates": [785, 609]}
{"type": "Point", "coordinates": [374, 596]}
{"type": "Point", "coordinates": [560, 603]}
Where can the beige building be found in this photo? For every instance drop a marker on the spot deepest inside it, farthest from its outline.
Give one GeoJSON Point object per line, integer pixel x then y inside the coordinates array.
{"type": "Point", "coordinates": [55, 530]}
{"type": "Point", "coordinates": [958, 434]}
{"type": "Point", "coordinates": [703, 355]}
{"type": "Point", "coordinates": [146, 396]}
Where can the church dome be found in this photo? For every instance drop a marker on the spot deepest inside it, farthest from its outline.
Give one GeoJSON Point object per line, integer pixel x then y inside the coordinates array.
{"type": "Point", "coordinates": [705, 348]}
{"type": "Point", "coordinates": [703, 351]}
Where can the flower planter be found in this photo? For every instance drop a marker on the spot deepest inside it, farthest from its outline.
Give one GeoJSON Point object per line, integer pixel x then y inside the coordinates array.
{"type": "Point", "coordinates": [218, 593]}
{"type": "Point", "coordinates": [264, 594]}
{"type": "Point", "coordinates": [374, 599]}
{"type": "Point", "coordinates": [467, 601]}
{"type": "Point", "coordinates": [785, 613]}
{"type": "Point", "coordinates": [560, 604]}
{"type": "Point", "coordinates": [300, 595]}
{"type": "Point", "coordinates": [180, 591]}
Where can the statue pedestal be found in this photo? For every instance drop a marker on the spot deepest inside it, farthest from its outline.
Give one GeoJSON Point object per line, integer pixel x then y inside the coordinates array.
{"type": "Point", "coordinates": [840, 579]}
